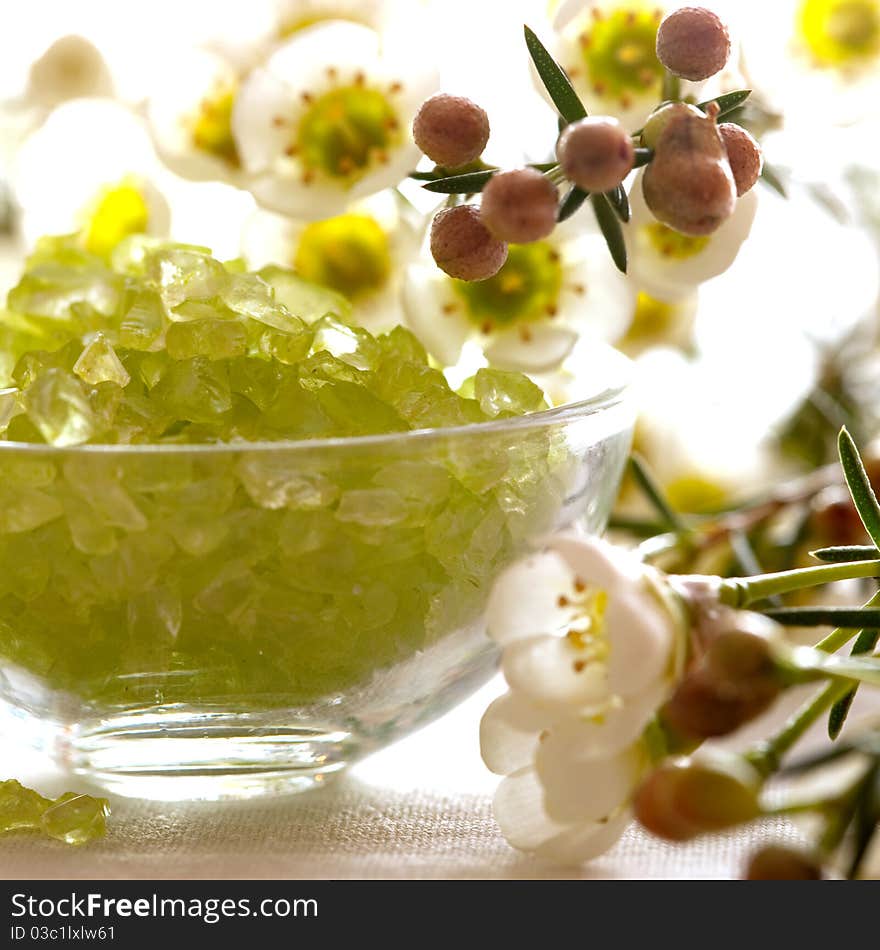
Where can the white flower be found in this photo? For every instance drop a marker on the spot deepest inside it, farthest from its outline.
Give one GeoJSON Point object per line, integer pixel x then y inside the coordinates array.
{"type": "Point", "coordinates": [326, 120]}
{"type": "Point", "coordinates": [608, 49]}
{"type": "Point", "coordinates": [70, 68]}
{"type": "Point", "coordinates": [90, 167]}
{"type": "Point", "coordinates": [668, 265]}
{"type": "Point", "coordinates": [814, 58]}
{"type": "Point", "coordinates": [592, 642]}
{"type": "Point", "coordinates": [191, 117]}
{"type": "Point", "coordinates": [361, 254]}
{"type": "Point", "coordinates": [530, 315]}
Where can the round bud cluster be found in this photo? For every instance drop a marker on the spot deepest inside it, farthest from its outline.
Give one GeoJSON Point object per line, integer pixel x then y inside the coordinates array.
{"type": "Point", "coordinates": [463, 246]}
{"type": "Point", "coordinates": [734, 681]}
{"type": "Point", "coordinates": [596, 153]}
{"type": "Point", "coordinates": [834, 519]}
{"type": "Point", "coordinates": [451, 130]}
{"type": "Point", "coordinates": [693, 43]}
{"type": "Point", "coordinates": [744, 154]}
{"type": "Point", "coordinates": [689, 185]}
{"type": "Point", "coordinates": [681, 800]}
{"type": "Point", "coordinates": [519, 206]}
{"type": "Point", "coordinates": [778, 863]}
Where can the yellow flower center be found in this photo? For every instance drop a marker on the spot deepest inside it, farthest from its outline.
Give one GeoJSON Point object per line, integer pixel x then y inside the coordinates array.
{"type": "Point", "coordinates": [840, 32]}
{"type": "Point", "coordinates": [117, 212]}
{"type": "Point", "coordinates": [294, 24]}
{"type": "Point", "coordinates": [673, 244]}
{"type": "Point", "coordinates": [696, 494]}
{"type": "Point", "coordinates": [212, 127]}
{"type": "Point", "coordinates": [349, 254]}
{"type": "Point", "coordinates": [526, 289]}
{"type": "Point", "coordinates": [346, 132]}
{"type": "Point", "coordinates": [588, 632]}
{"type": "Point", "coordinates": [618, 52]}
{"type": "Point", "coordinates": [652, 320]}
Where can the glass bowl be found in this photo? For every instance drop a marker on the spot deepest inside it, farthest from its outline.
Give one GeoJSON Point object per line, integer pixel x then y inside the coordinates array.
{"type": "Point", "coordinates": [221, 621]}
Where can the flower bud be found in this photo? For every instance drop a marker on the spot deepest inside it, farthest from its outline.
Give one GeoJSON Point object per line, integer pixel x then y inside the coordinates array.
{"type": "Point", "coordinates": [778, 863]}
{"type": "Point", "coordinates": [659, 119]}
{"type": "Point", "coordinates": [689, 186]}
{"type": "Point", "coordinates": [596, 153]}
{"type": "Point", "coordinates": [519, 206]}
{"type": "Point", "coordinates": [693, 42]}
{"type": "Point", "coordinates": [681, 800]}
{"type": "Point", "coordinates": [741, 663]}
{"type": "Point", "coordinates": [699, 710]}
{"type": "Point", "coordinates": [744, 154]}
{"type": "Point", "coordinates": [463, 247]}
{"type": "Point", "coordinates": [451, 130]}
{"type": "Point", "coordinates": [834, 519]}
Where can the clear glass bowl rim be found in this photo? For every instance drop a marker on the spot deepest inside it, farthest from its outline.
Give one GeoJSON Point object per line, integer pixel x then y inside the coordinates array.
{"type": "Point", "coordinates": [566, 412]}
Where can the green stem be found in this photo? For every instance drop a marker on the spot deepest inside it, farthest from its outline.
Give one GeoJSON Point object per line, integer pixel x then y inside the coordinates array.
{"type": "Point", "coordinates": [742, 591]}
{"type": "Point", "coordinates": [767, 755]}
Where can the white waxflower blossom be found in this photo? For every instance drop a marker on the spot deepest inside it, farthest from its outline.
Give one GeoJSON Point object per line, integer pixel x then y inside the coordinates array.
{"type": "Point", "coordinates": [361, 253]}
{"type": "Point", "coordinates": [110, 185]}
{"type": "Point", "coordinates": [669, 266]}
{"type": "Point", "coordinates": [814, 58]}
{"type": "Point", "coordinates": [592, 643]}
{"type": "Point", "coordinates": [327, 119]}
{"type": "Point", "coordinates": [529, 316]}
{"type": "Point", "coordinates": [608, 49]}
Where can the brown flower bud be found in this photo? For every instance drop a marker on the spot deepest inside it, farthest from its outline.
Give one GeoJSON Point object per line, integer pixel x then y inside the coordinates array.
{"type": "Point", "coordinates": [659, 119]}
{"type": "Point", "coordinates": [834, 519]}
{"type": "Point", "coordinates": [596, 153]}
{"type": "Point", "coordinates": [463, 247]}
{"type": "Point", "coordinates": [741, 663]}
{"type": "Point", "coordinates": [689, 186]}
{"type": "Point", "coordinates": [744, 154]}
{"type": "Point", "coordinates": [699, 710]}
{"type": "Point", "coordinates": [451, 130]}
{"type": "Point", "coordinates": [778, 863]}
{"type": "Point", "coordinates": [693, 42]}
{"type": "Point", "coordinates": [519, 206]}
{"type": "Point", "coordinates": [679, 801]}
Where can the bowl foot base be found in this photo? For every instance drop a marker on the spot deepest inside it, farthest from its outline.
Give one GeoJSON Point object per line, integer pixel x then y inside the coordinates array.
{"type": "Point", "coordinates": [185, 754]}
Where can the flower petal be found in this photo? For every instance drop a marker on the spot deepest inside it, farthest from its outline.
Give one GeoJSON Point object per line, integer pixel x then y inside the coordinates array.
{"type": "Point", "coordinates": [580, 789]}
{"type": "Point", "coordinates": [524, 601]}
{"type": "Point", "coordinates": [545, 348]}
{"type": "Point", "coordinates": [442, 332]}
{"type": "Point", "coordinates": [671, 279]}
{"type": "Point", "coordinates": [582, 843]}
{"type": "Point", "coordinates": [550, 669]}
{"type": "Point", "coordinates": [509, 733]}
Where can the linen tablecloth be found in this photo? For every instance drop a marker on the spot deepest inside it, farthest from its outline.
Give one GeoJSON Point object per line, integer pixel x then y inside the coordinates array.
{"type": "Point", "coordinates": [420, 809]}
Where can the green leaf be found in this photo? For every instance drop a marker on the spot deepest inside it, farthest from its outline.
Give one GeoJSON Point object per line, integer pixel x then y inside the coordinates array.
{"type": "Point", "coordinates": [859, 486]}
{"type": "Point", "coordinates": [555, 81]}
{"type": "Point", "coordinates": [773, 179]}
{"type": "Point", "coordinates": [846, 553]}
{"type": "Point", "coordinates": [867, 816]}
{"type": "Point", "coordinates": [423, 176]}
{"type": "Point", "coordinates": [651, 490]}
{"type": "Point", "coordinates": [571, 203]}
{"type": "Point", "coordinates": [847, 618]}
{"type": "Point", "coordinates": [811, 661]}
{"type": "Point", "coordinates": [728, 102]}
{"type": "Point", "coordinates": [611, 230]}
{"type": "Point", "coordinates": [865, 643]}
{"type": "Point", "coordinates": [619, 202]}
{"type": "Point", "coordinates": [643, 157]}
{"type": "Point", "coordinates": [468, 184]}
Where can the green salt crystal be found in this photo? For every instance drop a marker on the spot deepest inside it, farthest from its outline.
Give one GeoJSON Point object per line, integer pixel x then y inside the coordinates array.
{"type": "Point", "coordinates": [57, 405]}
{"type": "Point", "coordinates": [9, 406]}
{"type": "Point", "coordinates": [274, 482]}
{"type": "Point", "coordinates": [181, 274]}
{"type": "Point", "coordinates": [20, 808]}
{"type": "Point", "coordinates": [402, 345]}
{"type": "Point", "coordinates": [196, 390]}
{"type": "Point", "coordinates": [287, 348]}
{"type": "Point", "coordinates": [98, 485]}
{"type": "Point", "coordinates": [76, 819]}
{"type": "Point", "coordinates": [20, 471]}
{"type": "Point", "coordinates": [349, 344]}
{"type": "Point", "coordinates": [500, 392]}
{"type": "Point", "coordinates": [89, 535]}
{"type": "Point", "coordinates": [143, 321]}
{"type": "Point", "coordinates": [305, 300]}
{"type": "Point", "coordinates": [371, 507]}
{"type": "Point", "coordinates": [257, 380]}
{"type": "Point", "coordinates": [98, 363]}
{"type": "Point", "coordinates": [215, 339]}
{"type": "Point", "coordinates": [24, 509]}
